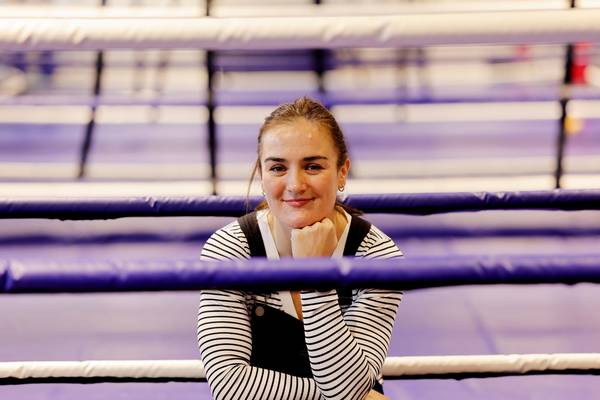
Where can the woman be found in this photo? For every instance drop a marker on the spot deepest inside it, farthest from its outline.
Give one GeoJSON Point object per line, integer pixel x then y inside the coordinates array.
{"type": "Point", "coordinates": [290, 345]}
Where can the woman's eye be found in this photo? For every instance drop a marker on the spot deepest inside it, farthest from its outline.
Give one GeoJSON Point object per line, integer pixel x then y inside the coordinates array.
{"type": "Point", "coordinates": [314, 167]}
{"type": "Point", "coordinates": [277, 168]}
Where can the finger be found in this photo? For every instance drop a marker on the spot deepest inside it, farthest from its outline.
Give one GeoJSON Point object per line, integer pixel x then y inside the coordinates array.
{"type": "Point", "coordinates": [326, 222]}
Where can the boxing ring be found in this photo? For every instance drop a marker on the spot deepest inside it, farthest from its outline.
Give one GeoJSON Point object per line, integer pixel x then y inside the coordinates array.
{"type": "Point", "coordinates": [410, 132]}
{"type": "Point", "coordinates": [453, 317]}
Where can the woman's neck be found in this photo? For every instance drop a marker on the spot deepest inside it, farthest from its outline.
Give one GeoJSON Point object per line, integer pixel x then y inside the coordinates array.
{"type": "Point", "coordinates": [282, 234]}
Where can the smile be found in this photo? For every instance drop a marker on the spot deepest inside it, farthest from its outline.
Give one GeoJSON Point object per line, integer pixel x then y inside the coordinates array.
{"type": "Point", "coordinates": [297, 202]}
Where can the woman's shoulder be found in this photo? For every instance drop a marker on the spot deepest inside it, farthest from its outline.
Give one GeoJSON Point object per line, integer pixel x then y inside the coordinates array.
{"type": "Point", "coordinates": [226, 243]}
{"type": "Point", "coordinates": [377, 244]}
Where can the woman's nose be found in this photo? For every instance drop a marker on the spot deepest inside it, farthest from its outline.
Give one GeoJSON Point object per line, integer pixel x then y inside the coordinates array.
{"type": "Point", "coordinates": [296, 182]}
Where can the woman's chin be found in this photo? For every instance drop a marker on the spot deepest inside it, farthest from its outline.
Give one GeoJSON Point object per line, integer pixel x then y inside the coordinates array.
{"type": "Point", "coordinates": [300, 222]}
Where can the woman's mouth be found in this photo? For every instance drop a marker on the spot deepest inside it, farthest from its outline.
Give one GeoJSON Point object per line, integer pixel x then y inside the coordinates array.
{"type": "Point", "coordinates": [297, 202]}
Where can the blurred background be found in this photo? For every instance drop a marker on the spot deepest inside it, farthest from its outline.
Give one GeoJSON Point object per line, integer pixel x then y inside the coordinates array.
{"type": "Point", "coordinates": [184, 123]}
{"type": "Point", "coordinates": [438, 118]}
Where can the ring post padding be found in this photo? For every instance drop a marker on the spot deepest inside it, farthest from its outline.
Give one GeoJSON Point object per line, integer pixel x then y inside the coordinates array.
{"type": "Point", "coordinates": [271, 33]}
{"type": "Point", "coordinates": [415, 367]}
{"type": "Point", "coordinates": [3, 275]}
{"type": "Point", "coordinates": [412, 203]}
{"type": "Point", "coordinates": [41, 276]}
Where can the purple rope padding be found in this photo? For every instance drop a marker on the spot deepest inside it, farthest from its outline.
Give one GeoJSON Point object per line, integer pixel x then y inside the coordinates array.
{"type": "Point", "coordinates": [397, 232]}
{"type": "Point", "coordinates": [43, 276]}
{"type": "Point", "coordinates": [416, 204]}
{"type": "Point", "coordinates": [340, 97]}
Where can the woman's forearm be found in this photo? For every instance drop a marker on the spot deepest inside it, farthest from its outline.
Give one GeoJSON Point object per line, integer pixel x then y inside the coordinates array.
{"type": "Point", "coordinates": [345, 363]}
{"type": "Point", "coordinates": [339, 368]}
{"type": "Point", "coordinates": [225, 342]}
{"type": "Point", "coordinates": [252, 383]}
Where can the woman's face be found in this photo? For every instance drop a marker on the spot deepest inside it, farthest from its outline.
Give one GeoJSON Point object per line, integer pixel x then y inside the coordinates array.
{"type": "Point", "coordinates": [299, 173]}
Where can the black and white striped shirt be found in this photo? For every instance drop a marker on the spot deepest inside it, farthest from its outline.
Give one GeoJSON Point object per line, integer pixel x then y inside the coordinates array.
{"type": "Point", "coordinates": [346, 348]}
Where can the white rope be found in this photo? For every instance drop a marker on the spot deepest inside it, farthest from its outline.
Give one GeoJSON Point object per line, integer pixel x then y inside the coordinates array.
{"type": "Point", "coordinates": [62, 12]}
{"type": "Point", "coordinates": [513, 364]}
{"type": "Point", "coordinates": [394, 367]}
{"type": "Point", "coordinates": [556, 26]}
{"type": "Point", "coordinates": [189, 369]}
{"type": "Point", "coordinates": [272, 10]}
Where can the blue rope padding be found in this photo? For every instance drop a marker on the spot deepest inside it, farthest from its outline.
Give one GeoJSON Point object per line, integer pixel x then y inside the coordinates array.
{"type": "Point", "coordinates": [396, 232]}
{"type": "Point", "coordinates": [338, 97]}
{"type": "Point", "coordinates": [416, 204]}
{"type": "Point", "coordinates": [41, 276]}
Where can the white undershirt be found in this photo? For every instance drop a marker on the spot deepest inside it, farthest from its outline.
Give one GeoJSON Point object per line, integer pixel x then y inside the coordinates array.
{"type": "Point", "coordinates": [272, 254]}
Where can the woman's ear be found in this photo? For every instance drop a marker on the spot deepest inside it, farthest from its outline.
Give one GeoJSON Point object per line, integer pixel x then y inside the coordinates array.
{"type": "Point", "coordinates": [343, 173]}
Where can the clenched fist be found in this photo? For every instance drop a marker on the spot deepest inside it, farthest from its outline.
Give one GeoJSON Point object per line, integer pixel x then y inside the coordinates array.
{"type": "Point", "coordinates": [316, 240]}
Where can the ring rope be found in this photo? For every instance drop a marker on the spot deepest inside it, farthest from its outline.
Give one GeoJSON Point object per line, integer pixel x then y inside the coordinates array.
{"type": "Point", "coordinates": [271, 10]}
{"type": "Point", "coordinates": [69, 208]}
{"type": "Point", "coordinates": [40, 276]}
{"type": "Point", "coordinates": [549, 26]}
{"type": "Point", "coordinates": [417, 367]}
{"type": "Point", "coordinates": [183, 99]}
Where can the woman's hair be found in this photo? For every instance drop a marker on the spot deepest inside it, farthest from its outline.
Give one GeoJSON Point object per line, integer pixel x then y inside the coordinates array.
{"type": "Point", "coordinates": [312, 111]}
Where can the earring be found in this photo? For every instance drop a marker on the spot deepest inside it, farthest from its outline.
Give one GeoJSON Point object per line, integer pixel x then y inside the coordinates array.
{"type": "Point", "coordinates": [341, 188]}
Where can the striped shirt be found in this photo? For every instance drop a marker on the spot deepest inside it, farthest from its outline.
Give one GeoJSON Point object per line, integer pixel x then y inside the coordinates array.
{"type": "Point", "coordinates": [346, 348]}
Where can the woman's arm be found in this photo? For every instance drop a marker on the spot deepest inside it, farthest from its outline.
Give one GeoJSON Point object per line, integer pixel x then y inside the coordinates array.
{"type": "Point", "coordinates": [347, 352]}
{"type": "Point", "coordinates": [225, 341]}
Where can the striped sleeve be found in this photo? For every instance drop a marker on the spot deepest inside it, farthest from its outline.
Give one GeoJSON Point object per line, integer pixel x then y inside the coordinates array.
{"type": "Point", "coordinates": [225, 340]}
{"type": "Point", "coordinates": [227, 243]}
{"type": "Point", "coordinates": [347, 351]}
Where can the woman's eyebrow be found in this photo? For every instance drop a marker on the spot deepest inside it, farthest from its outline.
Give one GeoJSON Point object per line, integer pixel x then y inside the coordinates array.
{"type": "Point", "coordinates": [275, 159]}
{"type": "Point", "coordinates": [308, 159]}
{"type": "Point", "coordinates": [314, 158]}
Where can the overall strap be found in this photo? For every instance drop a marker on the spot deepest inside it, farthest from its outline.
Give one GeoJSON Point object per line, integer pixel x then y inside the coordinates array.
{"type": "Point", "coordinates": [359, 228]}
{"type": "Point", "coordinates": [249, 226]}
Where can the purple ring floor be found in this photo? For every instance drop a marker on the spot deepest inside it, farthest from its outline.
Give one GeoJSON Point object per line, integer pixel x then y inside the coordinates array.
{"type": "Point", "coordinates": [464, 320]}
{"type": "Point", "coordinates": [147, 143]}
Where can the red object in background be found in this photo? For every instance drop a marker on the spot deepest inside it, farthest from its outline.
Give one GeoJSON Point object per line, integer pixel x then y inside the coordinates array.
{"type": "Point", "coordinates": [522, 52]}
{"type": "Point", "coordinates": [581, 60]}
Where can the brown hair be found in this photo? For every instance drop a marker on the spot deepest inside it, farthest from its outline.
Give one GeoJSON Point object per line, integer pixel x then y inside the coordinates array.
{"type": "Point", "coordinates": [312, 111]}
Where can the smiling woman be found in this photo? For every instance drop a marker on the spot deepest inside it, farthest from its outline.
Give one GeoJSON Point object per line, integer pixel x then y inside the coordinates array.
{"type": "Point", "coordinates": [290, 345]}
{"type": "Point", "coordinates": [299, 174]}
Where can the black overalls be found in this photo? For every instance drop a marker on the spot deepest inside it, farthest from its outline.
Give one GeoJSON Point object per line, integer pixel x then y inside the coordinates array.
{"type": "Point", "coordinates": [278, 340]}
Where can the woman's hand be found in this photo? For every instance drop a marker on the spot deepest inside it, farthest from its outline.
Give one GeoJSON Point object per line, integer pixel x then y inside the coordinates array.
{"type": "Point", "coordinates": [316, 240]}
{"type": "Point", "coordinates": [373, 395]}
